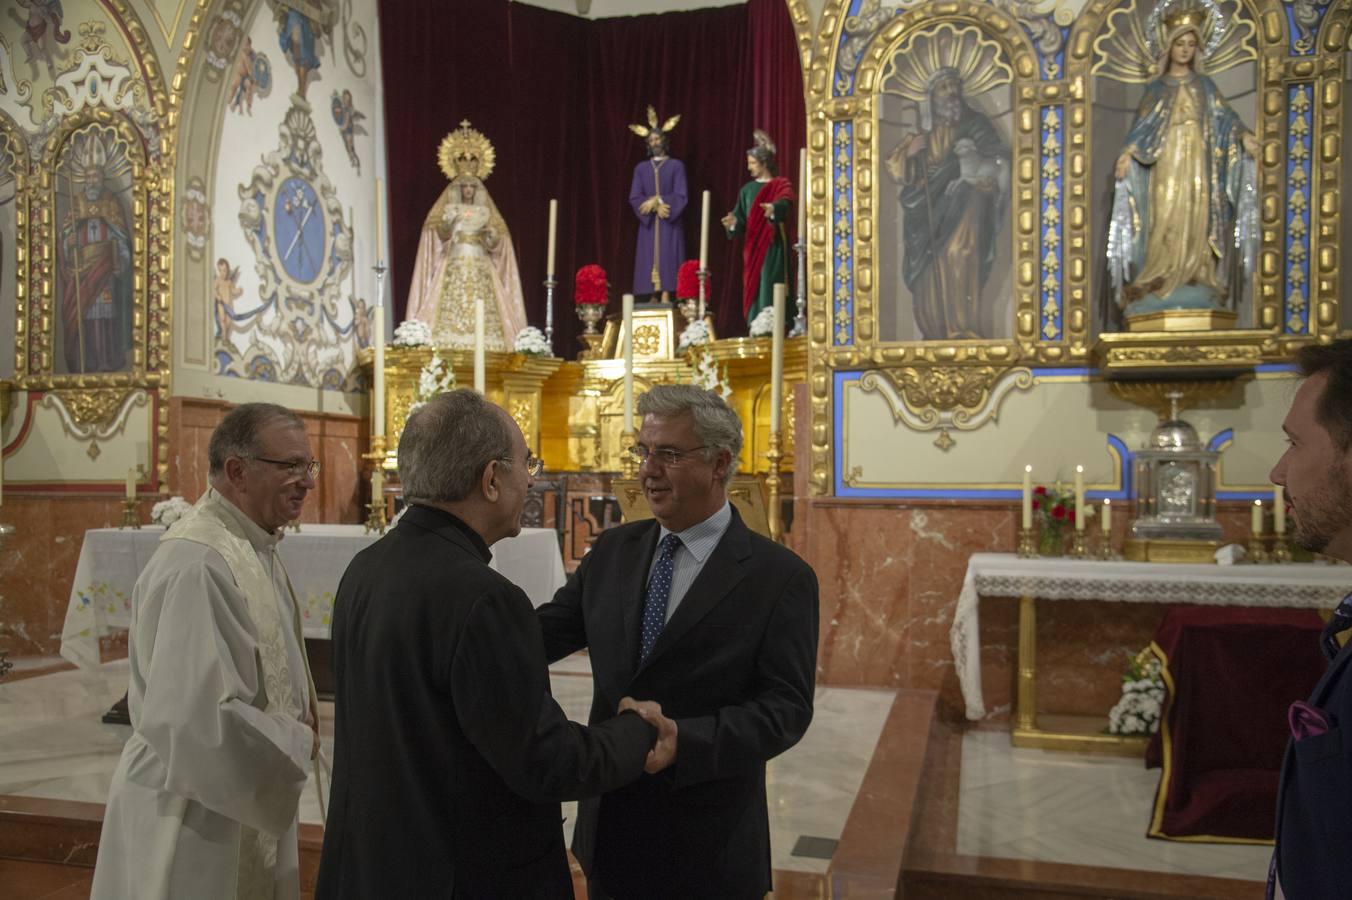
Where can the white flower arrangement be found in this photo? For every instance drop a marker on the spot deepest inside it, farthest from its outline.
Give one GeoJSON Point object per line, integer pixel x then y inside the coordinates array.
{"type": "Point", "coordinates": [167, 512]}
{"type": "Point", "coordinates": [764, 323]}
{"type": "Point", "coordinates": [1139, 710]}
{"type": "Point", "coordinates": [696, 334]}
{"type": "Point", "coordinates": [531, 342]}
{"type": "Point", "coordinates": [707, 375]}
{"type": "Point", "coordinates": [435, 378]}
{"type": "Point", "coordinates": [413, 333]}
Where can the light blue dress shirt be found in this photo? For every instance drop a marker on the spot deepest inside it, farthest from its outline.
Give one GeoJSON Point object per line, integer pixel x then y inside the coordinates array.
{"type": "Point", "coordinates": [697, 542]}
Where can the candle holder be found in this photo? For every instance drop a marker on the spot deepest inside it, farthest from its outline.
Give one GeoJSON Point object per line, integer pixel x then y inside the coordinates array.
{"type": "Point", "coordinates": [772, 515]}
{"type": "Point", "coordinates": [131, 514]}
{"type": "Point", "coordinates": [550, 284]}
{"type": "Point", "coordinates": [1105, 551]}
{"type": "Point", "coordinates": [375, 516]}
{"type": "Point", "coordinates": [1257, 549]}
{"type": "Point", "coordinates": [1281, 549]}
{"type": "Point", "coordinates": [800, 320]}
{"type": "Point", "coordinates": [377, 455]}
{"type": "Point", "coordinates": [628, 464]}
{"type": "Point", "coordinates": [1027, 546]}
{"type": "Point", "coordinates": [1079, 545]}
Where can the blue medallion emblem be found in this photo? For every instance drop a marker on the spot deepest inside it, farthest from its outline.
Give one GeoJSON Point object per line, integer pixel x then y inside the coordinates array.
{"type": "Point", "coordinates": [298, 225]}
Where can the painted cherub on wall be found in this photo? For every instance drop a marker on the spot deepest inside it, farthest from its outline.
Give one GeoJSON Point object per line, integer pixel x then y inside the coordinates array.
{"type": "Point", "coordinates": [41, 15]}
{"type": "Point", "coordinates": [252, 78]}
{"type": "Point", "coordinates": [225, 290]}
{"type": "Point", "coordinates": [349, 125]}
{"type": "Point", "coordinates": [302, 26]}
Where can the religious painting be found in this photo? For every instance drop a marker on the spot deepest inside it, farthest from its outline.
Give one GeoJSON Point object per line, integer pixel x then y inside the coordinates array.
{"type": "Point", "coordinates": [251, 77]}
{"type": "Point", "coordinates": [1177, 228]}
{"type": "Point", "coordinates": [93, 300]}
{"type": "Point", "coordinates": [348, 120]}
{"type": "Point", "coordinates": [302, 27]}
{"type": "Point", "coordinates": [944, 246]}
{"type": "Point", "coordinates": [44, 39]}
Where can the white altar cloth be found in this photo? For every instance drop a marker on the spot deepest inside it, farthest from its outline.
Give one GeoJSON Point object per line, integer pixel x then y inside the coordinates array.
{"type": "Point", "coordinates": [1299, 585]}
{"type": "Point", "coordinates": [315, 557]}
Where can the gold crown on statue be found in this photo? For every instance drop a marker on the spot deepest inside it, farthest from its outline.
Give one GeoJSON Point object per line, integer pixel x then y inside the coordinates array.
{"type": "Point", "coordinates": [1193, 15]}
{"type": "Point", "coordinates": [666, 127]}
{"type": "Point", "coordinates": [466, 151]}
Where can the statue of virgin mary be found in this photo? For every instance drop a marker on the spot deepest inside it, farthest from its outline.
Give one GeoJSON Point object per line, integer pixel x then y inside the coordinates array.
{"type": "Point", "coordinates": [1185, 209]}
{"type": "Point", "coordinates": [466, 253]}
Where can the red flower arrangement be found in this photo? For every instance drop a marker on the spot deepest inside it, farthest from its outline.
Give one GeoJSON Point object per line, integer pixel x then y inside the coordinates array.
{"type": "Point", "coordinates": [687, 280]}
{"type": "Point", "coordinates": [589, 288]}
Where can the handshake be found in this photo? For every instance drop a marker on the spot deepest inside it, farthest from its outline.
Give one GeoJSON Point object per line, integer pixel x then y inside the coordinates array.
{"type": "Point", "coordinates": [663, 752]}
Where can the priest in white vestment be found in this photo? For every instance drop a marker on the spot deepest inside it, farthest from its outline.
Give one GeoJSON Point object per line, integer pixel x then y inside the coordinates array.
{"type": "Point", "coordinates": [204, 801]}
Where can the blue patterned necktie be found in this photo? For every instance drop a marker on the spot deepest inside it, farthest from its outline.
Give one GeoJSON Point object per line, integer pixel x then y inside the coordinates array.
{"type": "Point", "coordinates": [1340, 621]}
{"type": "Point", "coordinates": [659, 591]}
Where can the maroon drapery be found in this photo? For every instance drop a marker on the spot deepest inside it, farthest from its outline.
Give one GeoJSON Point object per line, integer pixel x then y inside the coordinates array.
{"type": "Point", "coordinates": [555, 94]}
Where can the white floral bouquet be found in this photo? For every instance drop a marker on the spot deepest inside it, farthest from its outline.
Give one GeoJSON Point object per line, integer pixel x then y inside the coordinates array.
{"type": "Point", "coordinates": [1139, 710]}
{"type": "Point", "coordinates": [413, 333]}
{"type": "Point", "coordinates": [707, 375]}
{"type": "Point", "coordinates": [167, 512]}
{"type": "Point", "coordinates": [696, 334]}
{"type": "Point", "coordinates": [435, 378]}
{"type": "Point", "coordinates": [531, 342]}
{"type": "Point", "coordinates": [764, 323]}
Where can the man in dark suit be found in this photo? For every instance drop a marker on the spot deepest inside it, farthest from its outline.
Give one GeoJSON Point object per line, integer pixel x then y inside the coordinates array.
{"type": "Point", "coordinates": [1314, 799]}
{"type": "Point", "coordinates": [450, 755]}
{"type": "Point", "coordinates": [719, 626]}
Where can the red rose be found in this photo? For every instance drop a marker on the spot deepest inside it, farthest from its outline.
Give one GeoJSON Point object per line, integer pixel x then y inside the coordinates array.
{"type": "Point", "coordinates": [1058, 511]}
{"type": "Point", "coordinates": [687, 280]}
{"type": "Point", "coordinates": [1037, 504]}
{"type": "Point", "coordinates": [1039, 490]}
{"type": "Point", "coordinates": [590, 286]}
{"type": "Point", "coordinates": [1070, 516]}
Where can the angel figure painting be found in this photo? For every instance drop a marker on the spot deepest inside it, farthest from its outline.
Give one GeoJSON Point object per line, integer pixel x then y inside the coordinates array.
{"type": "Point", "coordinates": [348, 120]}
{"type": "Point", "coordinates": [1184, 227]}
{"type": "Point", "coordinates": [466, 253]}
{"type": "Point", "coordinates": [951, 167]}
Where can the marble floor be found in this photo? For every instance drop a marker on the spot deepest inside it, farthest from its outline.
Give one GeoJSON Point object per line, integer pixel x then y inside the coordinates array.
{"type": "Point", "coordinates": [1066, 808]}
{"type": "Point", "coordinates": [53, 746]}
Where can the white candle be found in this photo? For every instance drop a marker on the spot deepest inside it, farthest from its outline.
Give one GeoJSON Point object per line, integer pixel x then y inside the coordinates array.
{"type": "Point", "coordinates": [777, 359]}
{"type": "Point", "coordinates": [1079, 498]}
{"type": "Point", "coordinates": [479, 343]}
{"type": "Point", "coordinates": [1106, 524]}
{"type": "Point", "coordinates": [704, 231]}
{"type": "Point", "coordinates": [628, 307]}
{"type": "Point", "coordinates": [553, 225]}
{"type": "Point", "coordinates": [1279, 510]}
{"type": "Point", "coordinates": [380, 220]}
{"type": "Point", "coordinates": [378, 368]}
{"type": "Point", "coordinates": [802, 194]}
{"type": "Point", "coordinates": [1027, 518]}
{"type": "Point", "coordinates": [1256, 520]}
{"type": "Point", "coordinates": [131, 484]}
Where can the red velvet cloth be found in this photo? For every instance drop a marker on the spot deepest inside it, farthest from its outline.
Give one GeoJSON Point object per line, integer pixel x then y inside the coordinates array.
{"type": "Point", "coordinates": [1233, 672]}
{"type": "Point", "coordinates": [555, 93]}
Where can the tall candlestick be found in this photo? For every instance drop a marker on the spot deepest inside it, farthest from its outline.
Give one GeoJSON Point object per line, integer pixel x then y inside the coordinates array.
{"type": "Point", "coordinates": [777, 358]}
{"type": "Point", "coordinates": [1279, 510]}
{"type": "Point", "coordinates": [131, 484]}
{"type": "Point", "coordinates": [479, 343]}
{"type": "Point", "coordinates": [628, 307]}
{"type": "Point", "coordinates": [704, 231]}
{"type": "Point", "coordinates": [380, 220]}
{"type": "Point", "coordinates": [802, 191]}
{"type": "Point", "coordinates": [1079, 498]}
{"type": "Point", "coordinates": [1027, 518]}
{"type": "Point", "coordinates": [1106, 523]}
{"type": "Point", "coordinates": [553, 226]}
{"type": "Point", "coordinates": [377, 484]}
{"type": "Point", "coordinates": [1256, 519]}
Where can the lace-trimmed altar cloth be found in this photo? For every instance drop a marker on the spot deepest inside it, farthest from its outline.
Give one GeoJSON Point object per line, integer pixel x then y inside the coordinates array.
{"type": "Point", "coordinates": [1299, 585]}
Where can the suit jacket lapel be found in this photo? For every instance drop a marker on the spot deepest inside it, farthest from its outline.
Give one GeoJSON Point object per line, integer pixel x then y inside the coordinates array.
{"type": "Point", "coordinates": [721, 573]}
{"type": "Point", "coordinates": [633, 588]}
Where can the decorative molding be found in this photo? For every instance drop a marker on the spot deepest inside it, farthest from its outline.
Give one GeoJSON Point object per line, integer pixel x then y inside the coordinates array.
{"type": "Point", "coordinates": [945, 398]}
{"type": "Point", "coordinates": [96, 414]}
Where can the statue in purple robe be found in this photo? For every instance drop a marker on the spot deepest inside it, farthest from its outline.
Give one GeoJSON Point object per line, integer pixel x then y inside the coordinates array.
{"type": "Point", "coordinates": [657, 194]}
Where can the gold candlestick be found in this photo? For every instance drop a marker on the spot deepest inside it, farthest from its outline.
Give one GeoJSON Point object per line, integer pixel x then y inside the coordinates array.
{"type": "Point", "coordinates": [1257, 549]}
{"type": "Point", "coordinates": [772, 515]}
{"type": "Point", "coordinates": [1027, 546]}
{"type": "Point", "coordinates": [1281, 549]}
{"type": "Point", "coordinates": [628, 464]}
{"type": "Point", "coordinates": [375, 516]}
{"type": "Point", "coordinates": [376, 519]}
{"type": "Point", "coordinates": [1079, 545]}
{"type": "Point", "coordinates": [131, 514]}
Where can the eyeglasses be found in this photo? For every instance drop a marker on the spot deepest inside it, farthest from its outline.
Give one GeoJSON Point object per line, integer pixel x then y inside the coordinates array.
{"type": "Point", "coordinates": [534, 464]}
{"type": "Point", "coordinates": [295, 468]}
{"type": "Point", "coordinates": [667, 456]}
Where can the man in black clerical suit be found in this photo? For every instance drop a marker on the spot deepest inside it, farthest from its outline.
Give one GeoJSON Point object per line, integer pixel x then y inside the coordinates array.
{"type": "Point", "coordinates": [1313, 857]}
{"type": "Point", "coordinates": [450, 755]}
{"type": "Point", "coordinates": [719, 626]}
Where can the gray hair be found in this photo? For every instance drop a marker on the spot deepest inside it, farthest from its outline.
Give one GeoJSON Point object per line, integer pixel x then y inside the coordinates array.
{"type": "Point", "coordinates": [716, 425]}
{"type": "Point", "coordinates": [237, 434]}
{"type": "Point", "coordinates": [447, 444]}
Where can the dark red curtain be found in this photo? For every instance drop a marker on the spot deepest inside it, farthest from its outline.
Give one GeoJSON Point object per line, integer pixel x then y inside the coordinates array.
{"type": "Point", "coordinates": [555, 94]}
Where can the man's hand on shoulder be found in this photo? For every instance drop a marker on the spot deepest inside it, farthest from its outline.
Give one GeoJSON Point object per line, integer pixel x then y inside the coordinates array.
{"type": "Point", "coordinates": [663, 753]}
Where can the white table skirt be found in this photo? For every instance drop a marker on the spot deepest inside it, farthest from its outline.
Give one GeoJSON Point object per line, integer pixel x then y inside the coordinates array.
{"type": "Point", "coordinates": [1299, 585]}
{"type": "Point", "coordinates": [315, 558]}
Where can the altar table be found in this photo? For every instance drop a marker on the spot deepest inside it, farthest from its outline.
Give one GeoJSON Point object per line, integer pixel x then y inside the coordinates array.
{"type": "Point", "coordinates": [1295, 585]}
{"type": "Point", "coordinates": [315, 557]}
